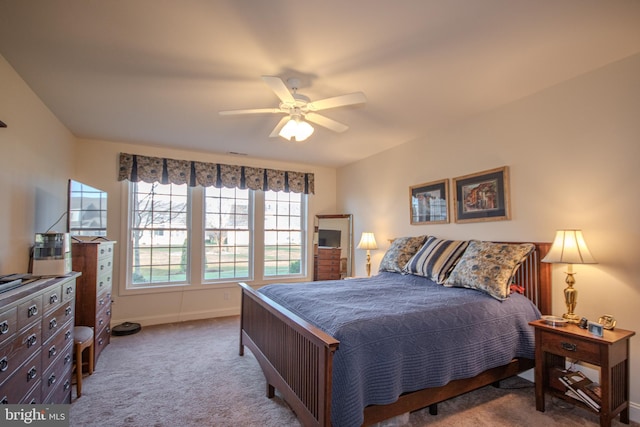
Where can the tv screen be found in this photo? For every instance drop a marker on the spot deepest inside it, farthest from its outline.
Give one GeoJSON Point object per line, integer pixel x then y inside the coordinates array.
{"type": "Point", "coordinates": [87, 210]}
{"type": "Point", "coordinates": [330, 238]}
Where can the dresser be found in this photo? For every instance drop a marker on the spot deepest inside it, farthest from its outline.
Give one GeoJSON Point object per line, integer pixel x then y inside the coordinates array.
{"type": "Point", "coordinates": [94, 259]}
{"type": "Point", "coordinates": [36, 341]}
{"type": "Point", "coordinates": [327, 263]}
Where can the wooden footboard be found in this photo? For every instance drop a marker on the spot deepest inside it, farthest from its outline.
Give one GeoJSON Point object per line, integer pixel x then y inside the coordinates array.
{"type": "Point", "coordinates": [295, 356]}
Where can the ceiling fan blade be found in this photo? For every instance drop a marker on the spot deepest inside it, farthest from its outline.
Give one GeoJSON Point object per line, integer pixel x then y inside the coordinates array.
{"type": "Point", "coordinates": [326, 122]}
{"type": "Point", "coordinates": [337, 101]}
{"type": "Point", "coordinates": [279, 88]}
{"type": "Point", "coordinates": [276, 130]}
{"type": "Point", "coordinates": [250, 111]}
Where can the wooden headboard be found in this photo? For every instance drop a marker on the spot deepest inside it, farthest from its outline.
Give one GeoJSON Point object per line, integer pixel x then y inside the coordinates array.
{"type": "Point", "coordinates": [535, 277]}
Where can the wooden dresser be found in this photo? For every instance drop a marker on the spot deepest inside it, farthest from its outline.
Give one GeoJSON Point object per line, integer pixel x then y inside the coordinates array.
{"type": "Point", "coordinates": [94, 259]}
{"type": "Point", "coordinates": [36, 341]}
{"type": "Point", "coordinates": [326, 264]}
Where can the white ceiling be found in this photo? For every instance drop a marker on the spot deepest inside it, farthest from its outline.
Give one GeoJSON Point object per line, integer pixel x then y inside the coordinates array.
{"type": "Point", "coordinates": [158, 71]}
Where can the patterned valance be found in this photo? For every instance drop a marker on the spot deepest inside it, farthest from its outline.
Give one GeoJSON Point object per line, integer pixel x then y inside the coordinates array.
{"type": "Point", "coordinates": [137, 168]}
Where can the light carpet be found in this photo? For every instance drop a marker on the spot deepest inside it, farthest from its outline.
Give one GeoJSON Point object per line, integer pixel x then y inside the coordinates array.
{"type": "Point", "coordinates": [190, 374]}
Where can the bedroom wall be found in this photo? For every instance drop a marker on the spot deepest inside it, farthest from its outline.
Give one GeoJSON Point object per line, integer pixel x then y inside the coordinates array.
{"type": "Point", "coordinates": [36, 161]}
{"type": "Point", "coordinates": [573, 155]}
{"type": "Point", "coordinates": [97, 165]}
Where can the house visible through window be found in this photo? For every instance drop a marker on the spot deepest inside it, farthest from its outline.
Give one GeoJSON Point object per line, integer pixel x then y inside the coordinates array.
{"type": "Point", "coordinates": [163, 225]}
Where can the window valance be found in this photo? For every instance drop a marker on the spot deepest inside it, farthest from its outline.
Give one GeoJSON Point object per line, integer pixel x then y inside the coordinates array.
{"type": "Point", "coordinates": [137, 168]}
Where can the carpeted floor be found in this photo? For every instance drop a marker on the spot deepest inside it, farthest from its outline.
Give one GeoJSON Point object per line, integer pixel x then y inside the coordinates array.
{"type": "Point", "coordinates": [190, 374]}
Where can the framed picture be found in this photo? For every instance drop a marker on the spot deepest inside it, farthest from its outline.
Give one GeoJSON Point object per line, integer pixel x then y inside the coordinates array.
{"type": "Point", "coordinates": [482, 196]}
{"type": "Point", "coordinates": [428, 203]}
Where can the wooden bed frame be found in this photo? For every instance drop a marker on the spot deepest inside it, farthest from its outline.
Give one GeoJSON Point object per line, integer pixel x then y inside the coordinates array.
{"type": "Point", "coordinates": [296, 357]}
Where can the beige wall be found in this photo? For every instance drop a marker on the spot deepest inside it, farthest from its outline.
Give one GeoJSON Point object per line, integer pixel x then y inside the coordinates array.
{"type": "Point", "coordinates": [97, 165]}
{"type": "Point", "coordinates": [36, 161]}
{"type": "Point", "coordinates": [574, 156]}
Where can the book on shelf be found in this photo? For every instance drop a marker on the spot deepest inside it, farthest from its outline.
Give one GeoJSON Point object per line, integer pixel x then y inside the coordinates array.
{"type": "Point", "coordinates": [581, 386]}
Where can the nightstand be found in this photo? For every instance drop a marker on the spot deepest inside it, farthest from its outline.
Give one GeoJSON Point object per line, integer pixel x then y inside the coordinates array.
{"type": "Point", "coordinates": [554, 344]}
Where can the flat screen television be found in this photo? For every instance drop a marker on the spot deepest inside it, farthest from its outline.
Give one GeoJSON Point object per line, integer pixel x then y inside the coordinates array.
{"type": "Point", "coordinates": [87, 210]}
{"type": "Point", "coordinates": [330, 238]}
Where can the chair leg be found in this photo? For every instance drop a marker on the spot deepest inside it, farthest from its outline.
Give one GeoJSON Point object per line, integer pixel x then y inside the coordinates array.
{"type": "Point", "coordinates": [79, 369]}
{"type": "Point", "coordinates": [91, 358]}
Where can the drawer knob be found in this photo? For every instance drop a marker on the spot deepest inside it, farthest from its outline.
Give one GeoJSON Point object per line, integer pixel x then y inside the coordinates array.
{"type": "Point", "coordinates": [51, 380]}
{"type": "Point", "coordinates": [53, 323]}
{"type": "Point", "coordinates": [67, 335]}
{"type": "Point", "coordinates": [67, 385]}
{"type": "Point", "coordinates": [4, 364]}
{"type": "Point", "coordinates": [67, 311]}
{"type": "Point", "coordinates": [67, 359]}
{"type": "Point", "coordinates": [32, 311]}
{"type": "Point", "coordinates": [569, 347]}
{"type": "Point", "coordinates": [53, 299]}
{"type": "Point", "coordinates": [32, 373]}
{"type": "Point", "coordinates": [69, 290]}
{"type": "Point", "coordinates": [31, 340]}
{"type": "Point", "coordinates": [4, 327]}
{"type": "Point", "coordinates": [52, 351]}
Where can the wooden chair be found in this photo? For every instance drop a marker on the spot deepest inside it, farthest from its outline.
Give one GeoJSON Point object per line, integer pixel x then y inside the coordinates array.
{"type": "Point", "coordinates": [82, 339]}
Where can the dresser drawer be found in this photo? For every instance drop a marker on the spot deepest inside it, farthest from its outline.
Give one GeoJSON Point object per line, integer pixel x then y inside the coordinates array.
{"type": "Point", "coordinates": [15, 352]}
{"type": "Point", "coordinates": [68, 291]}
{"type": "Point", "coordinates": [29, 311]}
{"type": "Point", "coordinates": [8, 324]}
{"type": "Point", "coordinates": [103, 319]}
{"type": "Point", "coordinates": [57, 372]}
{"type": "Point", "coordinates": [52, 298]}
{"type": "Point", "coordinates": [60, 341]}
{"type": "Point", "coordinates": [105, 250]}
{"type": "Point", "coordinates": [22, 380]}
{"type": "Point", "coordinates": [52, 322]}
{"type": "Point", "coordinates": [101, 341]}
{"type": "Point", "coordinates": [571, 346]}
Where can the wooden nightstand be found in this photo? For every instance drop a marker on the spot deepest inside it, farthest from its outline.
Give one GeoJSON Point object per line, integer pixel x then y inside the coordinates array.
{"type": "Point", "coordinates": [611, 353]}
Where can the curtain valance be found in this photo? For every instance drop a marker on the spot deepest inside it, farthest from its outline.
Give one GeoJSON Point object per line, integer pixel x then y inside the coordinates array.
{"type": "Point", "coordinates": [137, 168]}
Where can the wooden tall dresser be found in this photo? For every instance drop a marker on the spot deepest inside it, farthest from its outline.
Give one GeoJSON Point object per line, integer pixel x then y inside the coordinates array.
{"type": "Point", "coordinates": [327, 263]}
{"type": "Point", "coordinates": [36, 341]}
{"type": "Point", "coordinates": [94, 259]}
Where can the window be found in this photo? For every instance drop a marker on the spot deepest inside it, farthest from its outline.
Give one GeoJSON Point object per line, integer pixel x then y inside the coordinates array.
{"type": "Point", "coordinates": [207, 235]}
{"type": "Point", "coordinates": [227, 234]}
{"type": "Point", "coordinates": [283, 233]}
{"type": "Point", "coordinates": [159, 234]}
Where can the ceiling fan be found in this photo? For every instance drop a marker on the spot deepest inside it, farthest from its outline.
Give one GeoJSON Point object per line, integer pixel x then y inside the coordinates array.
{"type": "Point", "coordinates": [300, 110]}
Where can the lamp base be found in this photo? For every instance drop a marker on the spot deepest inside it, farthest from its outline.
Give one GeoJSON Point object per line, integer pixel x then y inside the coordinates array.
{"type": "Point", "coordinates": [571, 317]}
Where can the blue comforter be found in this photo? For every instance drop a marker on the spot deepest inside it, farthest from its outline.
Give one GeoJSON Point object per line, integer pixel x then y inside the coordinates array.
{"type": "Point", "coordinates": [401, 333]}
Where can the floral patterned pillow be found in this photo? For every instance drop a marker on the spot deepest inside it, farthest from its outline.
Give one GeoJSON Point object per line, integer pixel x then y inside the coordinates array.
{"type": "Point", "coordinates": [400, 252]}
{"type": "Point", "coordinates": [489, 267]}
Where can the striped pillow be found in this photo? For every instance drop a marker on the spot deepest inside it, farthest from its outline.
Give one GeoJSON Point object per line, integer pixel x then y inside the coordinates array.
{"type": "Point", "coordinates": [436, 258]}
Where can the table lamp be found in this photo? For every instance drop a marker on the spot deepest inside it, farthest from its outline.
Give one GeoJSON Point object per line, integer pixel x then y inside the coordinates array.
{"type": "Point", "coordinates": [368, 242]}
{"type": "Point", "coordinates": [569, 248]}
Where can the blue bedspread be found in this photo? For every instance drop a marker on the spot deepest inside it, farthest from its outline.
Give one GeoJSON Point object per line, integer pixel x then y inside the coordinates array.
{"type": "Point", "coordinates": [401, 333]}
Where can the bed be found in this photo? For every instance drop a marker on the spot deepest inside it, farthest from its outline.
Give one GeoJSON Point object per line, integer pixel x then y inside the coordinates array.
{"type": "Point", "coordinates": [316, 345]}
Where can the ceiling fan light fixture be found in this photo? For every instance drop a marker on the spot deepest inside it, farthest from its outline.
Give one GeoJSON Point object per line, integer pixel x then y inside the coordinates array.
{"type": "Point", "coordinates": [296, 129]}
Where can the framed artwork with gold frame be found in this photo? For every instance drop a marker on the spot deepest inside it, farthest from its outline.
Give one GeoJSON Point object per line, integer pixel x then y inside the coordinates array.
{"type": "Point", "coordinates": [482, 196]}
{"type": "Point", "coordinates": [429, 203]}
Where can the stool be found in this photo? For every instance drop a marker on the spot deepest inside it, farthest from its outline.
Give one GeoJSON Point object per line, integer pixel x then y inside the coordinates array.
{"type": "Point", "coordinates": [82, 338]}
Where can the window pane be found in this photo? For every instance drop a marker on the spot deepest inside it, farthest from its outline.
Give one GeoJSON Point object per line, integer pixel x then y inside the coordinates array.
{"type": "Point", "coordinates": [159, 234]}
{"type": "Point", "coordinates": [227, 234]}
{"type": "Point", "coordinates": [283, 234]}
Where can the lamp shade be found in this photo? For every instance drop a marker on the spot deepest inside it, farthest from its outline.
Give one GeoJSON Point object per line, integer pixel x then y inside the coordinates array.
{"type": "Point", "coordinates": [569, 247]}
{"type": "Point", "coordinates": [367, 241]}
{"type": "Point", "coordinates": [296, 129]}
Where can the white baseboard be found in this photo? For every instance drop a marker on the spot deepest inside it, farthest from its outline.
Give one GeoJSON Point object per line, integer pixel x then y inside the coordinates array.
{"type": "Point", "coordinates": [178, 317]}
